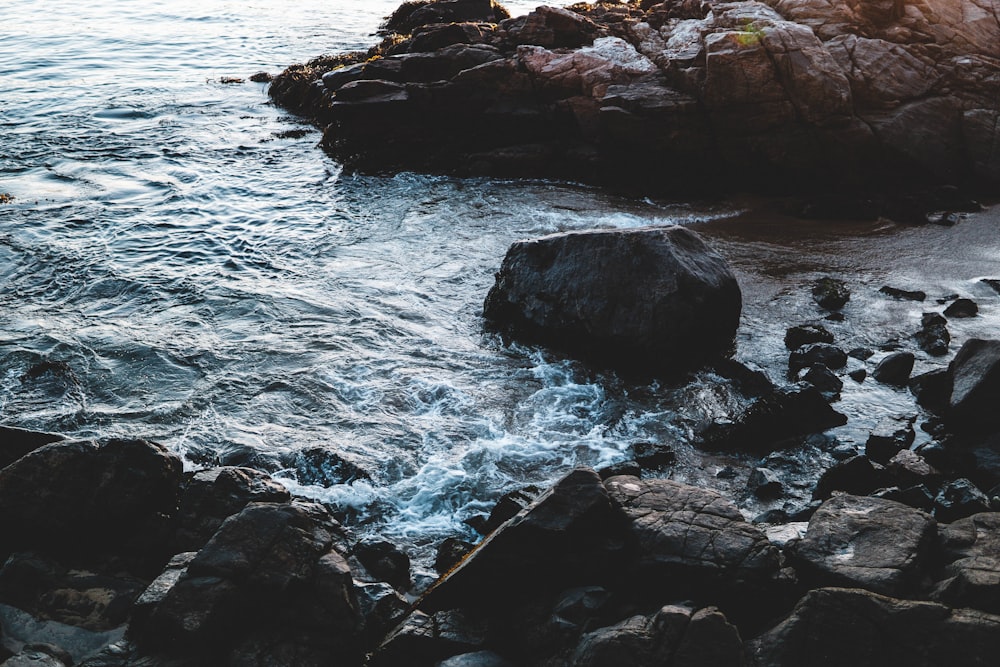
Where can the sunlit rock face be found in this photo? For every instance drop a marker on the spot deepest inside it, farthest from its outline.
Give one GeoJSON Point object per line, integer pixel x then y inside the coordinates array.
{"type": "Point", "coordinates": [783, 95]}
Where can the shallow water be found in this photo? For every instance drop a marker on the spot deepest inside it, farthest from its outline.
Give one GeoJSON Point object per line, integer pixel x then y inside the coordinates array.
{"type": "Point", "coordinates": [214, 282]}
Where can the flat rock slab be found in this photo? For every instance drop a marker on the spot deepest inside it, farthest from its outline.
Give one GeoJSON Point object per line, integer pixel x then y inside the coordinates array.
{"type": "Point", "coordinates": [866, 542]}
{"type": "Point", "coordinates": [677, 526]}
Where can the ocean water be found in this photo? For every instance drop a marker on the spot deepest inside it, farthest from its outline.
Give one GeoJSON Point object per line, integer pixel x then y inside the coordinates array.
{"type": "Point", "coordinates": [197, 272]}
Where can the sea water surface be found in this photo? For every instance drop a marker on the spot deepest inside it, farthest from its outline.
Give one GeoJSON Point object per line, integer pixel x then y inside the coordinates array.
{"type": "Point", "coordinates": [196, 271]}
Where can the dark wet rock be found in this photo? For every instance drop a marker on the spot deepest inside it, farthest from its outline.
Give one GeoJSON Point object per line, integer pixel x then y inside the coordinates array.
{"type": "Point", "coordinates": [450, 552]}
{"type": "Point", "coordinates": [895, 369]}
{"type": "Point", "coordinates": [825, 380]}
{"type": "Point", "coordinates": [932, 389]}
{"type": "Point", "coordinates": [975, 386]}
{"type": "Point", "coordinates": [837, 627]}
{"type": "Point", "coordinates": [212, 496]}
{"type": "Point", "coordinates": [271, 567]}
{"type": "Point", "coordinates": [992, 283]}
{"type": "Point", "coordinates": [792, 411]}
{"type": "Point", "coordinates": [866, 542]}
{"type": "Point", "coordinates": [425, 639]}
{"type": "Point", "coordinates": [675, 635]}
{"type": "Point", "coordinates": [726, 472]}
{"type": "Point", "coordinates": [958, 499]}
{"type": "Point", "coordinates": [933, 337]}
{"type": "Point", "coordinates": [962, 308]}
{"type": "Point", "coordinates": [157, 590]}
{"type": "Point", "coordinates": [844, 451]}
{"type": "Point", "coordinates": [830, 356]}
{"type": "Point", "coordinates": [382, 608]}
{"type": "Point", "coordinates": [16, 442]}
{"type": "Point", "coordinates": [384, 561]}
{"type": "Point", "coordinates": [765, 483]}
{"type": "Point", "coordinates": [936, 455]}
{"type": "Point", "coordinates": [690, 531]}
{"type": "Point", "coordinates": [830, 293]}
{"type": "Point", "coordinates": [972, 576]}
{"type": "Point", "coordinates": [412, 15]}
{"type": "Point", "coordinates": [858, 375]}
{"type": "Point", "coordinates": [659, 300]}
{"type": "Point", "coordinates": [751, 382]}
{"type": "Point", "coordinates": [918, 497]}
{"type": "Point", "coordinates": [50, 590]}
{"type": "Point", "coordinates": [834, 317]}
{"type": "Point", "coordinates": [861, 353]}
{"type": "Point", "coordinates": [621, 468]}
{"type": "Point", "coordinates": [508, 506]}
{"type": "Point", "coordinates": [323, 467]}
{"type": "Point", "coordinates": [552, 27]}
{"type": "Point", "coordinates": [570, 535]}
{"type": "Point", "coordinates": [907, 295]}
{"type": "Point", "coordinates": [652, 455]}
{"type": "Point", "coordinates": [804, 334]}
{"type": "Point", "coordinates": [888, 437]}
{"type": "Point", "coordinates": [857, 475]}
{"type": "Point", "coordinates": [907, 468]}
{"type": "Point", "coordinates": [261, 77]}
{"type": "Point", "coordinates": [90, 496]}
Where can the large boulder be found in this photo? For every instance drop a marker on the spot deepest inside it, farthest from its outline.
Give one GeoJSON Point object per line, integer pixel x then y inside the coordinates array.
{"type": "Point", "coordinates": [655, 299]}
{"type": "Point", "coordinates": [836, 627]}
{"type": "Point", "coordinates": [866, 542]}
{"type": "Point", "coordinates": [570, 535]}
{"type": "Point", "coordinates": [975, 386]}
{"type": "Point", "coordinates": [272, 567]}
{"type": "Point", "coordinates": [86, 497]}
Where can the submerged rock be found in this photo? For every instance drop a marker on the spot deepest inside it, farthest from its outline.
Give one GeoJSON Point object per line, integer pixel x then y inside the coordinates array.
{"type": "Point", "coordinates": [645, 300]}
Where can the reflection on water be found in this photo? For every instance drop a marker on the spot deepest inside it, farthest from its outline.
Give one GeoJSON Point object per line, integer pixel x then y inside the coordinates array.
{"type": "Point", "coordinates": [214, 282]}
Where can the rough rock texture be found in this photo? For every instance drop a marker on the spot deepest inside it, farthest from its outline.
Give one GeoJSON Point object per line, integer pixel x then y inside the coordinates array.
{"type": "Point", "coordinates": [783, 94]}
{"type": "Point", "coordinates": [774, 418]}
{"type": "Point", "coordinates": [672, 637]}
{"type": "Point", "coordinates": [654, 299]}
{"type": "Point", "coordinates": [212, 496]}
{"type": "Point", "coordinates": [270, 567]}
{"type": "Point", "coordinates": [86, 496]}
{"type": "Point", "coordinates": [569, 535]}
{"type": "Point", "coordinates": [836, 627]}
{"type": "Point", "coordinates": [685, 529]}
{"type": "Point", "coordinates": [870, 543]}
{"type": "Point", "coordinates": [971, 547]}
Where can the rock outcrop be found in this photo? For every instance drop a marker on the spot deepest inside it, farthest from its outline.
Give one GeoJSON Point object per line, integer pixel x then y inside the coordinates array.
{"type": "Point", "coordinates": [650, 300]}
{"type": "Point", "coordinates": [780, 94]}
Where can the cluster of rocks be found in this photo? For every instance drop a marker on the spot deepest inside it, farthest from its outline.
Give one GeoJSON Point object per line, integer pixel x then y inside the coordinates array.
{"type": "Point", "coordinates": [785, 95]}
{"type": "Point", "coordinates": [114, 557]}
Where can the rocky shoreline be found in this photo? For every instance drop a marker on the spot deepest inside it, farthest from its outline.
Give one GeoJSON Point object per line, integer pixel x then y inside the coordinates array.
{"type": "Point", "coordinates": [884, 100]}
{"type": "Point", "coordinates": [114, 556]}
